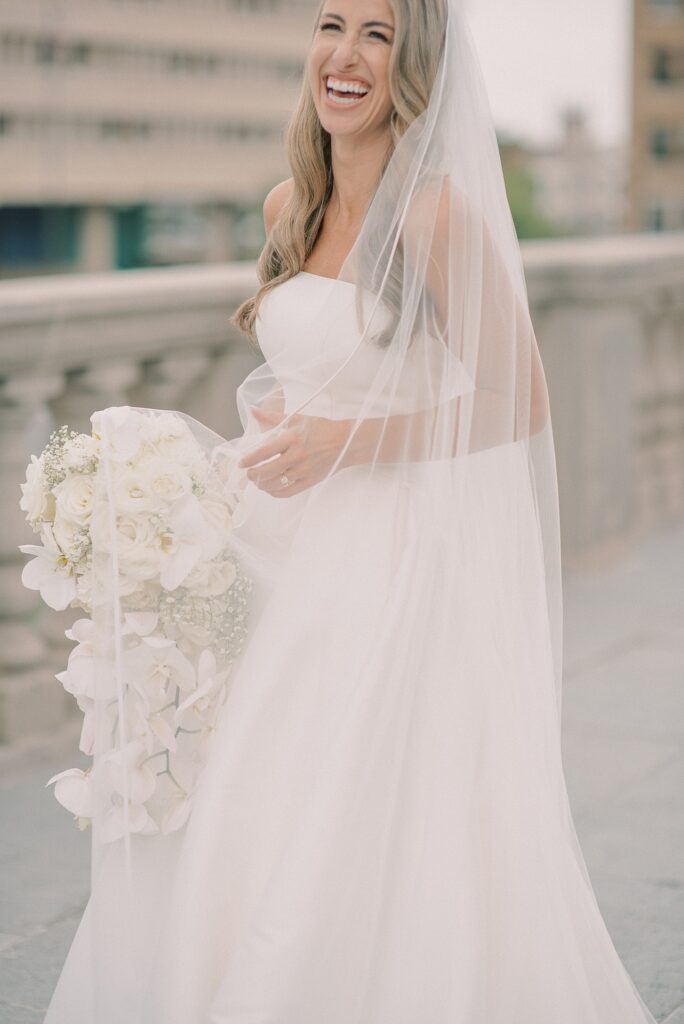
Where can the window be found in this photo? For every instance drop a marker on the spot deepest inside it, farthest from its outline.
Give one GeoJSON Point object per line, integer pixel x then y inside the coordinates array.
{"type": "Point", "coordinates": [38, 236]}
{"type": "Point", "coordinates": [673, 6]}
{"type": "Point", "coordinates": [667, 66]}
{"type": "Point", "coordinates": [655, 218]}
{"type": "Point", "coordinates": [660, 143]}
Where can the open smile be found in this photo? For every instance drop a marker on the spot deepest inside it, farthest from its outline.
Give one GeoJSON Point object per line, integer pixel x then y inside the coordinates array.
{"type": "Point", "coordinates": [345, 93]}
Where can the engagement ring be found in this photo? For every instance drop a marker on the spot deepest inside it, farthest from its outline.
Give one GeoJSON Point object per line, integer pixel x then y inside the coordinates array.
{"type": "Point", "coordinates": [284, 480]}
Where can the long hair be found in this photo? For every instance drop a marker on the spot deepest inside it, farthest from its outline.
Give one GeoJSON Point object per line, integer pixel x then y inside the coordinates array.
{"type": "Point", "coordinates": [418, 40]}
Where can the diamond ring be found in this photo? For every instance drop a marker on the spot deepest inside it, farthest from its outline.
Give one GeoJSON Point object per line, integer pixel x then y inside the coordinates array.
{"type": "Point", "coordinates": [284, 480]}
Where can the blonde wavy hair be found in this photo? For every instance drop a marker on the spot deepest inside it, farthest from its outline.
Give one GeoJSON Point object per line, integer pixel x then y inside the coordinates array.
{"type": "Point", "coordinates": [418, 40]}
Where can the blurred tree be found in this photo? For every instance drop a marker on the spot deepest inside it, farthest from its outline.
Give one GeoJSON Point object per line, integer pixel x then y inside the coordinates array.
{"type": "Point", "coordinates": [529, 223]}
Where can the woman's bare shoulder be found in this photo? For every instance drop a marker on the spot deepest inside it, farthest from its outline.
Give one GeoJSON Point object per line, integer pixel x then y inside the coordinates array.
{"type": "Point", "coordinates": [275, 201]}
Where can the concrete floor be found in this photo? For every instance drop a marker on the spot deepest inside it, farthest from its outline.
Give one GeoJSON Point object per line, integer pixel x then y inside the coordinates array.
{"type": "Point", "coordinates": [623, 746]}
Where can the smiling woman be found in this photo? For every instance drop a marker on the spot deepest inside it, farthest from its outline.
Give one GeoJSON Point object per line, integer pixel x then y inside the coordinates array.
{"type": "Point", "coordinates": [380, 832]}
{"type": "Point", "coordinates": [330, 57]}
{"type": "Point", "coordinates": [339, 147]}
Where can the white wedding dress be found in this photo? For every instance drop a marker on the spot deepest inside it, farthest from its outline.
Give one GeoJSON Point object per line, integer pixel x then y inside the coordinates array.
{"type": "Point", "coordinates": [382, 833]}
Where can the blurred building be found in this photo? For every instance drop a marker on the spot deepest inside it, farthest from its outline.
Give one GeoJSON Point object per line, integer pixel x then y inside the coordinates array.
{"type": "Point", "coordinates": [140, 132]}
{"type": "Point", "coordinates": [573, 186]}
{"type": "Point", "coordinates": [657, 164]}
{"type": "Point", "coordinates": [581, 185]}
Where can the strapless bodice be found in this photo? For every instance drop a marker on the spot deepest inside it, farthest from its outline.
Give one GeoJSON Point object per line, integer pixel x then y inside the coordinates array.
{"type": "Point", "coordinates": [308, 330]}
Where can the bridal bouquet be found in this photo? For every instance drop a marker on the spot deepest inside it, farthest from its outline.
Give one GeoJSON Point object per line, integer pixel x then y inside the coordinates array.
{"type": "Point", "coordinates": [134, 523]}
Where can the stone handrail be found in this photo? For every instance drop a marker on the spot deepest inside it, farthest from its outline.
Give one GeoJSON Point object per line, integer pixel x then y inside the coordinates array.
{"type": "Point", "coordinates": [609, 317]}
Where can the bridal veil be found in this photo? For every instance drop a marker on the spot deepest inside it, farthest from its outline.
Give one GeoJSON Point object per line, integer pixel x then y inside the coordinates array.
{"type": "Point", "coordinates": [442, 391]}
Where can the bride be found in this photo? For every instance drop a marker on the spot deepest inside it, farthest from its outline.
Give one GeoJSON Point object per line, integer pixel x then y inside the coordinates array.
{"type": "Point", "coordinates": [381, 832]}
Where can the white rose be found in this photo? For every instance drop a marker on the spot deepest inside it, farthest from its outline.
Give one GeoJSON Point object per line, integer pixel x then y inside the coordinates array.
{"type": "Point", "coordinates": [167, 426]}
{"type": "Point", "coordinates": [133, 491]}
{"type": "Point", "coordinates": [69, 535]}
{"type": "Point", "coordinates": [75, 497]}
{"type": "Point", "coordinates": [181, 450]}
{"type": "Point", "coordinates": [138, 545]}
{"type": "Point", "coordinates": [34, 500]}
{"type": "Point", "coordinates": [139, 548]}
{"type": "Point", "coordinates": [169, 436]}
{"type": "Point", "coordinates": [168, 480]}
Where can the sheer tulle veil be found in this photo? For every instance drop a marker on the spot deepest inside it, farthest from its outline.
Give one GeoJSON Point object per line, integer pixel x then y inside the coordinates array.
{"type": "Point", "coordinates": [443, 393]}
{"type": "Point", "coordinates": [445, 366]}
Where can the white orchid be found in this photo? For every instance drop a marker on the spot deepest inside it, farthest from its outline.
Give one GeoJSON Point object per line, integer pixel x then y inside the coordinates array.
{"type": "Point", "coordinates": [86, 741]}
{"type": "Point", "coordinates": [90, 669]}
{"type": "Point", "coordinates": [128, 770]}
{"type": "Point", "coordinates": [98, 716]}
{"type": "Point", "coordinates": [48, 573]}
{"type": "Point", "coordinates": [177, 806]}
{"type": "Point", "coordinates": [192, 538]}
{"type": "Point", "coordinates": [148, 675]}
{"type": "Point", "coordinates": [85, 634]}
{"type": "Point", "coordinates": [201, 705]}
{"type": "Point", "coordinates": [155, 729]}
{"type": "Point", "coordinates": [176, 813]}
{"type": "Point", "coordinates": [119, 429]}
{"type": "Point", "coordinates": [155, 667]}
{"type": "Point", "coordinates": [138, 820]}
{"type": "Point", "coordinates": [74, 790]}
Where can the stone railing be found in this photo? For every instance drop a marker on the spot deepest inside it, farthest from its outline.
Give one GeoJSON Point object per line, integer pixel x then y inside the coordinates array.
{"type": "Point", "coordinates": [609, 316]}
{"type": "Point", "coordinates": [68, 346]}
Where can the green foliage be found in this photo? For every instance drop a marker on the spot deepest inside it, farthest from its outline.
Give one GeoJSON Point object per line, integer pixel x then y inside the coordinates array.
{"type": "Point", "coordinates": [529, 222]}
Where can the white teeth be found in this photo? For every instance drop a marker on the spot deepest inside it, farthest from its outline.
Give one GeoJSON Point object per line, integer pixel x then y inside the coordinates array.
{"type": "Point", "coordinates": [339, 86]}
{"type": "Point", "coordinates": [344, 101]}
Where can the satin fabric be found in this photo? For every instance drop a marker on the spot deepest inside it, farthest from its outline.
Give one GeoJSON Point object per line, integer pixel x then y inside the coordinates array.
{"type": "Point", "coordinates": [382, 833]}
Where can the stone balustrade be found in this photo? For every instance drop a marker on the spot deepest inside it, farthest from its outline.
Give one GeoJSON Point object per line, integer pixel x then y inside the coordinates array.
{"type": "Point", "coordinates": [609, 316]}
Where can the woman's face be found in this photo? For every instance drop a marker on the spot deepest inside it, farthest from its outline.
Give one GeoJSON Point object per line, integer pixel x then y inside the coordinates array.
{"type": "Point", "coordinates": [348, 65]}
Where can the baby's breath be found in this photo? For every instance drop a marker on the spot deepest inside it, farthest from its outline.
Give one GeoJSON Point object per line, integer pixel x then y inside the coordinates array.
{"type": "Point", "coordinates": [52, 458]}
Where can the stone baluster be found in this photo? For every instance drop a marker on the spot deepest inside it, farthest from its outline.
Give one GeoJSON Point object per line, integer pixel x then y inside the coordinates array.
{"type": "Point", "coordinates": [591, 355]}
{"type": "Point", "coordinates": [31, 700]}
{"type": "Point", "coordinates": [95, 387]}
{"type": "Point", "coordinates": [666, 440]}
{"type": "Point", "coordinates": [213, 399]}
{"type": "Point", "coordinates": [165, 381]}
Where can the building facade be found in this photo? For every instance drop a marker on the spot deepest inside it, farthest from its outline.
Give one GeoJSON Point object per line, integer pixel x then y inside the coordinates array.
{"type": "Point", "coordinates": [138, 132]}
{"type": "Point", "coordinates": [574, 185]}
{"type": "Point", "coordinates": [580, 185]}
{"type": "Point", "coordinates": [657, 160]}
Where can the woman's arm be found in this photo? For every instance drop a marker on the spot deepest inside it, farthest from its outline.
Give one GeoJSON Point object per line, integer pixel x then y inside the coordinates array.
{"type": "Point", "coordinates": [510, 398]}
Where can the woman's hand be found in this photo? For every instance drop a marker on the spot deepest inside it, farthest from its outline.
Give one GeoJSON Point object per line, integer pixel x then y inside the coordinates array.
{"type": "Point", "coordinates": [304, 451]}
